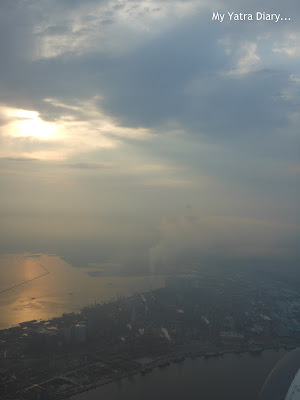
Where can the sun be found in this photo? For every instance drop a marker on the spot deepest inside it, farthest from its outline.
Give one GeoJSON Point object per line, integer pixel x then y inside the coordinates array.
{"type": "Point", "coordinates": [28, 123]}
{"type": "Point", "coordinates": [26, 114]}
{"type": "Point", "coordinates": [36, 128]}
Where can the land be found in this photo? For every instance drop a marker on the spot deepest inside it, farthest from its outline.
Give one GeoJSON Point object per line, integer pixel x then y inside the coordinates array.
{"type": "Point", "coordinates": [204, 313]}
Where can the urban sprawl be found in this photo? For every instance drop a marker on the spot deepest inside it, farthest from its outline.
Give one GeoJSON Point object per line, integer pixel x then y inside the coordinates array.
{"type": "Point", "coordinates": [204, 314]}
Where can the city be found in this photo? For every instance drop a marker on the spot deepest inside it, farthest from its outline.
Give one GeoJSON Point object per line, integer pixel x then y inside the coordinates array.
{"type": "Point", "coordinates": [201, 314]}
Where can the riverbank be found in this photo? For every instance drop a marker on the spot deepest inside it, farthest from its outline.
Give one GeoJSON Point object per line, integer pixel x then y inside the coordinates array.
{"type": "Point", "coordinates": [231, 376]}
{"type": "Point", "coordinates": [178, 356]}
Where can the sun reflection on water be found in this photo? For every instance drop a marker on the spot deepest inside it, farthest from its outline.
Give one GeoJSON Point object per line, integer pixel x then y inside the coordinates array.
{"type": "Point", "coordinates": [63, 289]}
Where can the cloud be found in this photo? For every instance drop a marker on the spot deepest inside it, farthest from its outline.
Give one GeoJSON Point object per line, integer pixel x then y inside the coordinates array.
{"type": "Point", "coordinates": [288, 44]}
{"type": "Point", "coordinates": [117, 114]}
{"type": "Point", "coordinates": [293, 51]}
{"type": "Point", "coordinates": [202, 240]}
{"type": "Point", "coordinates": [111, 27]}
{"type": "Point", "coordinates": [89, 165]}
{"type": "Point", "coordinates": [248, 61]}
{"type": "Point", "coordinates": [78, 127]}
{"type": "Point", "coordinates": [177, 74]}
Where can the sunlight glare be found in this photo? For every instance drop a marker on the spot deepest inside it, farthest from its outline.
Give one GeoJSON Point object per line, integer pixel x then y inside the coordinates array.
{"type": "Point", "coordinates": [27, 114]}
{"type": "Point", "coordinates": [35, 128]}
{"type": "Point", "coordinates": [27, 123]}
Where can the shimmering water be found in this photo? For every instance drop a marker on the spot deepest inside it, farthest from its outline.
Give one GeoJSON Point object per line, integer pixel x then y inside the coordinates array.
{"type": "Point", "coordinates": [64, 289]}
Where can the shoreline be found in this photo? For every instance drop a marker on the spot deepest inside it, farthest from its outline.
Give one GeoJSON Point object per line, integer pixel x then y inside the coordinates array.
{"type": "Point", "coordinates": [77, 352]}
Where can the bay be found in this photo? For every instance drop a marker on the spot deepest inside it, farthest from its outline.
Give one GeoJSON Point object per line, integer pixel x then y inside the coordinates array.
{"type": "Point", "coordinates": [43, 286]}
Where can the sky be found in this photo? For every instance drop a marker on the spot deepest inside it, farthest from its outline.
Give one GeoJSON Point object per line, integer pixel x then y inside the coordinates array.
{"type": "Point", "coordinates": [147, 135]}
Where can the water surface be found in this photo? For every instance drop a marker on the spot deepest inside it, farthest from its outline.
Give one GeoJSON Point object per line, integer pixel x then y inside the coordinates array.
{"type": "Point", "coordinates": [28, 292]}
{"type": "Point", "coordinates": [231, 377]}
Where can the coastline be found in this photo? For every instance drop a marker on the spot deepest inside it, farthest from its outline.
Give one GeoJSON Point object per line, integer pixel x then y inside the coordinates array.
{"type": "Point", "coordinates": [74, 353]}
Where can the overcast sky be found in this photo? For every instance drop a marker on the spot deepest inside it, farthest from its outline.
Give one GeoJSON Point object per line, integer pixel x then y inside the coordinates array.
{"type": "Point", "coordinates": [143, 133]}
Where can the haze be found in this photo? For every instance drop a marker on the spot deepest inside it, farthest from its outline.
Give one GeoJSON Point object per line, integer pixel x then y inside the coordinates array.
{"type": "Point", "coordinates": [145, 135]}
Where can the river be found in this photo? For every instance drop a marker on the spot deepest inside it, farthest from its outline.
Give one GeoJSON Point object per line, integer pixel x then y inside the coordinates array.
{"type": "Point", "coordinates": [230, 377]}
